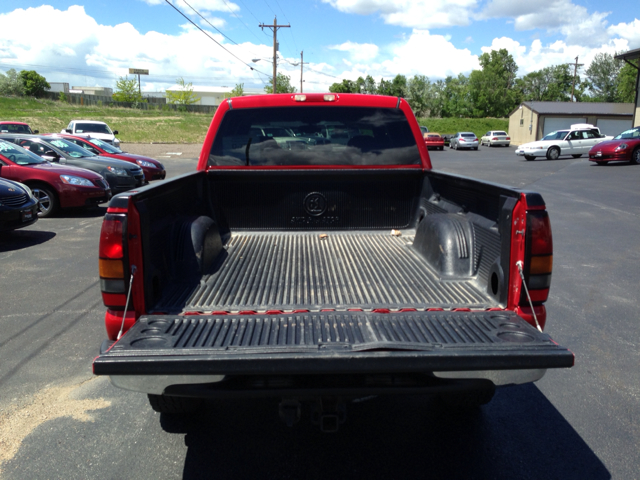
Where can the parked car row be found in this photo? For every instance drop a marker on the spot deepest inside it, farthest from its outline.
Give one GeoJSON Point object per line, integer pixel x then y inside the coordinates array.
{"type": "Point", "coordinates": [40, 174]}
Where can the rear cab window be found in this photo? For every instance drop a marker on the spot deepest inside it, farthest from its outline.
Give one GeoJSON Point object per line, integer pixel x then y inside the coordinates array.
{"type": "Point", "coordinates": [314, 135]}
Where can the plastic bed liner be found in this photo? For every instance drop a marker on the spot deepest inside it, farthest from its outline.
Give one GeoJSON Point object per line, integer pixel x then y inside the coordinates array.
{"type": "Point", "coordinates": [331, 342]}
{"type": "Point", "coordinates": [286, 271]}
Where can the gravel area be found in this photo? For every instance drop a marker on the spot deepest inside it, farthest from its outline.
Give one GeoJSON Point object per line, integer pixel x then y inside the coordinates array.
{"type": "Point", "coordinates": [163, 150]}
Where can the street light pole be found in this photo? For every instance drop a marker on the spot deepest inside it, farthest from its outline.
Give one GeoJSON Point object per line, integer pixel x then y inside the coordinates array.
{"type": "Point", "coordinates": [275, 28]}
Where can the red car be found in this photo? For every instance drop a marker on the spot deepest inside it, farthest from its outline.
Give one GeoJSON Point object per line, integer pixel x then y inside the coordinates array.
{"type": "Point", "coordinates": [55, 186]}
{"type": "Point", "coordinates": [153, 169]}
{"type": "Point", "coordinates": [623, 148]}
{"type": "Point", "coordinates": [16, 127]}
{"type": "Point", "coordinates": [434, 140]}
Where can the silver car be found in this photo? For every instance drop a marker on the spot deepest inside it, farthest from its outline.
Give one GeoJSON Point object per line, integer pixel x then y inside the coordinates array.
{"type": "Point", "coordinates": [464, 140]}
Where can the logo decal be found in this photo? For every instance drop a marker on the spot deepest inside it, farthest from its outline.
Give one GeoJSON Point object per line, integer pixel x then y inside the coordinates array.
{"type": "Point", "coordinates": [12, 189]}
{"type": "Point", "coordinates": [315, 204]}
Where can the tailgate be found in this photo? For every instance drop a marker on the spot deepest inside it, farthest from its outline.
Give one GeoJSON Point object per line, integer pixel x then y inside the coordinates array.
{"type": "Point", "coordinates": [330, 342]}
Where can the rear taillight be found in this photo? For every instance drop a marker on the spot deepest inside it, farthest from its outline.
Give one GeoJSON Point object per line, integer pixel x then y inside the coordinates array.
{"type": "Point", "coordinates": [112, 261]}
{"type": "Point", "coordinates": [538, 258]}
{"type": "Point", "coordinates": [508, 138]}
{"type": "Point", "coordinates": [495, 138]}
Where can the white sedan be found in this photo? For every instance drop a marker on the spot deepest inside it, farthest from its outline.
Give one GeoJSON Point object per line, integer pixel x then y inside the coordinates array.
{"type": "Point", "coordinates": [495, 138]}
{"type": "Point", "coordinates": [576, 141]}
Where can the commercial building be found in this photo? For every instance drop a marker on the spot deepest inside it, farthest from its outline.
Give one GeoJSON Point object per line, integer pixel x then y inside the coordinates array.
{"type": "Point", "coordinates": [633, 57]}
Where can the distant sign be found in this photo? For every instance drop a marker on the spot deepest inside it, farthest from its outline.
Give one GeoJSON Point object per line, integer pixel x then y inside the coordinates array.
{"type": "Point", "coordinates": [71, 90]}
{"type": "Point", "coordinates": [138, 71]}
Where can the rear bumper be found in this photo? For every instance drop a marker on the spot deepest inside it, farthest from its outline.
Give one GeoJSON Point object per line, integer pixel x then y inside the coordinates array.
{"type": "Point", "coordinates": [158, 351]}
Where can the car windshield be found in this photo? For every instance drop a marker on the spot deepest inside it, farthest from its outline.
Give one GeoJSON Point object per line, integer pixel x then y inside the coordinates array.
{"type": "Point", "coordinates": [15, 128]}
{"type": "Point", "coordinates": [333, 136]}
{"type": "Point", "coordinates": [19, 155]}
{"type": "Point", "coordinates": [634, 133]}
{"type": "Point", "coordinates": [70, 149]}
{"type": "Point", "coordinates": [559, 135]}
{"type": "Point", "coordinates": [104, 145]}
{"type": "Point", "coordinates": [93, 128]}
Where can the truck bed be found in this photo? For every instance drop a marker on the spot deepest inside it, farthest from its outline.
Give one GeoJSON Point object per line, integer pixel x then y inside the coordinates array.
{"type": "Point", "coordinates": [314, 270]}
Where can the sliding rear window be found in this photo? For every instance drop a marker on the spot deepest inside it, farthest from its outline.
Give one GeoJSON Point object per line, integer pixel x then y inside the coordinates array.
{"type": "Point", "coordinates": [314, 135]}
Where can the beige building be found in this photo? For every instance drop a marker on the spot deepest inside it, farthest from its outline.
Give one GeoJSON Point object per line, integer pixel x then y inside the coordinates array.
{"type": "Point", "coordinates": [533, 120]}
{"type": "Point", "coordinates": [627, 56]}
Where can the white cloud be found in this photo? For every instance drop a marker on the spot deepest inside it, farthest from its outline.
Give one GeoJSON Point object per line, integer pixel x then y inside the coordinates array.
{"type": "Point", "coordinates": [413, 57]}
{"type": "Point", "coordinates": [537, 56]}
{"type": "Point", "coordinates": [422, 14]}
{"type": "Point", "coordinates": [93, 54]}
{"type": "Point", "coordinates": [359, 52]}
{"type": "Point", "coordinates": [628, 31]}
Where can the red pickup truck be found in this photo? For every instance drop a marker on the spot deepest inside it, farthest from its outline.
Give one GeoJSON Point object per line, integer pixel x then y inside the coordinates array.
{"type": "Point", "coordinates": [322, 267]}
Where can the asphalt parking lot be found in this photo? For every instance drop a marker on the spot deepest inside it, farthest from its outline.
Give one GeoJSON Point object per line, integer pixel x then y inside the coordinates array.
{"type": "Point", "coordinates": [58, 421]}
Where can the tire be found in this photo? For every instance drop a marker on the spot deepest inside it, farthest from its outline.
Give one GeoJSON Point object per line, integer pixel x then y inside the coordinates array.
{"type": "Point", "coordinates": [553, 153]}
{"type": "Point", "coordinates": [475, 148]}
{"type": "Point", "coordinates": [441, 148]}
{"type": "Point", "coordinates": [174, 405]}
{"type": "Point", "coordinates": [577, 155]}
{"type": "Point", "coordinates": [529, 158]}
{"type": "Point", "coordinates": [48, 200]}
{"type": "Point", "coordinates": [635, 157]}
{"type": "Point", "coordinates": [455, 146]}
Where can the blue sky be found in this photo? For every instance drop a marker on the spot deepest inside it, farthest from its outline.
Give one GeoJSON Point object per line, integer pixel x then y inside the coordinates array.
{"type": "Point", "coordinates": [94, 43]}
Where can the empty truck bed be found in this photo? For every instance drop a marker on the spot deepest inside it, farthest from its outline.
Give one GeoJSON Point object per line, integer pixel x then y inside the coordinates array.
{"type": "Point", "coordinates": [313, 270]}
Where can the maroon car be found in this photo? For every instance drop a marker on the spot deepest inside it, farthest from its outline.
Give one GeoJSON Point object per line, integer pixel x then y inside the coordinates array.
{"type": "Point", "coordinates": [55, 186]}
{"type": "Point", "coordinates": [623, 148]}
{"type": "Point", "coordinates": [16, 127]}
{"type": "Point", "coordinates": [153, 169]}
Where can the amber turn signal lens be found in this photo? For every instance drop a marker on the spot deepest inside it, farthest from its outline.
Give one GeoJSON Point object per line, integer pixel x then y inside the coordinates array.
{"type": "Point", "coordinates": [540, 265]}
{"type": "Point", "coordinates": [111, 268]}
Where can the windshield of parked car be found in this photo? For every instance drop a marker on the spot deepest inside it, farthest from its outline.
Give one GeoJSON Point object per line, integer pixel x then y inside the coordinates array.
{"type": "Point", "coordinates": [107, 147]}
{"type": "Point", "coordinates": [559, 135]}
{"type": "Point", "coordinates": [634, 133]}
{"type": "Point", "coordinates": [19, 155]}
{"type": "Point", "coordinates": [70, 149]}
{"type": "Point", "coordinates": [93, 127]}
{"type": "Point", "coordinates": [332, 136]}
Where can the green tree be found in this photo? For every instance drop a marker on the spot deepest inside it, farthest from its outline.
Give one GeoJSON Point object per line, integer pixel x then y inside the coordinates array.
{"type": "Point", "coordinates": [11, 84]}
{"type": "Point", "coordinates": [395, 88]}
{"type": "Point", "coordinates": [626, 87]}
{"type": "Point", "coordinates": [346, 86]}
{"type": "Point", "coordinates": [34, 84]}
{"type": "Point", "coordinates": [418, 95]}
{"type": "Point", "coordinates": [283, 84]}
{"type": "Point", "coordinates": [369, 86]}
{"type": "Point", "coordinates": [456, 98]}
{"type": "Point", "coordinates": [127, 90]}
{"type": "Point", "coordinates": [183, 96]}
{"type": "Point", "coordinates": [492, 89]}
{"type": "Point", "coordinates": [550, 84]}
{"type": "Point", "coordinates": [602, 77]}
{"type": "Point", "coordinates": [237, 91]}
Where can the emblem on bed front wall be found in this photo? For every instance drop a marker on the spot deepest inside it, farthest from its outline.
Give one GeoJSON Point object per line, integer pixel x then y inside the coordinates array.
{"type": "Point", "coordinates": [315, 204]}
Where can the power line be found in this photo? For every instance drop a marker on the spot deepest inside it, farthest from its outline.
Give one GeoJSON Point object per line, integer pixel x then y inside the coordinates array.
{"type": "Point", "coordinates": [236, 16]}
{"type": "Point", "coordinates": [290, 31]}
{"type": "Point", "coordinates": [211, 38]}
{"type": "Point", "coordinates": [198, 13]}
{"type": "Point", "coordinates": [253, 16]}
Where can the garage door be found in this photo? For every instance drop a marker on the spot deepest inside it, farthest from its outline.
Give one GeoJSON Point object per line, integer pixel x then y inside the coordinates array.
{"type": "Point", "coordinates": [613, 127]}
{"type": "Point", "coordinates": [551, 124]}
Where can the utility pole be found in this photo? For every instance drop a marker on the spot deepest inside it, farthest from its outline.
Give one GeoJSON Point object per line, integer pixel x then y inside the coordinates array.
{"type": "Point", "coordinates": [575, 72]}
{"type": "Point", "coordinates": [301, 64]}
{"type": "Point", "coordinates": [275, 28]}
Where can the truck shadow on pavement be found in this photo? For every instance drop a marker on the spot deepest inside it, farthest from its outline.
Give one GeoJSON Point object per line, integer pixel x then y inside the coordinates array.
{"type": "Point", "coordinates": [520, 434]}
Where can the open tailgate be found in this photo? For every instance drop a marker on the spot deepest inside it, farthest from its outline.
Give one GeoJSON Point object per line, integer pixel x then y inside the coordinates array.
{"type": "Point", "coordinates": [330, 342]}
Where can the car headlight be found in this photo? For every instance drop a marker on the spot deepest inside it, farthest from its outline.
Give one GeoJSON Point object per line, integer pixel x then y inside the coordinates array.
{"type": "Point", "coordinates": [144, 163]}
{"type": "Point", "coordinates": [121, 172]}
{"type": "Point", "coordinates": [73, 180]}
{"type": "Point", "coordinates": [621, 147]}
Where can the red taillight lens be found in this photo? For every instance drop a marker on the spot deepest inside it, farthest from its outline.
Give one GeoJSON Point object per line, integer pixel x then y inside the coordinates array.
{"type": "Point", "coordinates": [494, 138]}
{"type": "Point", "coordinates": [508, 138]}
{"type": "Point", "coordinates": [111, 237]}
{"type": "Point", "coordinates": [111, 262]}
{"type": "Point", "coordinates": [538, 257]}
